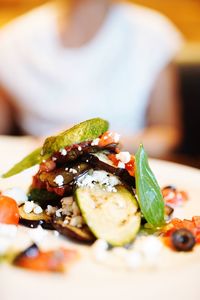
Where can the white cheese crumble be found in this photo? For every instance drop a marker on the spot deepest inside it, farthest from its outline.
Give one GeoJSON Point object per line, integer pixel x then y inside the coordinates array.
{"type": "Point", "coordinates": [37, 210]}
{"type": "Point", "coordinates": [121, 165]}
{"type": "Point", "coordinates": [58, 213]}
{"type": "Point", "coordinates": [73, 171]}
{"type": "Point", "coordinates": [37, 234]}
{"type": "Point", "coordinates": [28, 207]}
{"type": "Point", "coordinates": [50, 210]}
{"type": "Point", "coordinates": [99, 250]}
{"type": "Point", "coordinates": [145, 252]}
{"type": "Point", "coordinates": [63, 152]}
{"type": "Point", "coordinates": [7, 235]}
{"type": "Point", "coordinates": [103, 178]}
{"type": "Point", "coordinates": [124, 156]}
{"type": "Point", "coordinates": [116, 137]}
{"type": "Point", "coordinates": [17, 194]}
{"type": "Point", "coordinates": [59, 180]}
{"type": "Point", "coordinates": [79, 148]}
{"type": "Point", "coordinates": [95, 142]}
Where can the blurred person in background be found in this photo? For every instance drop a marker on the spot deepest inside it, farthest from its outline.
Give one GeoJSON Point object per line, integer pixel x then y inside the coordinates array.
{"type": "Point", "coordinates": [77, 59]}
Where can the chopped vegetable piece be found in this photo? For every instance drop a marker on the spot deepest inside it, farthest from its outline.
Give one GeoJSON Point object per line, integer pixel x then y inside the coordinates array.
{"type": "Point", "coordinates": [107, 138]}
{"type": "Point", "coordinates": [183, 240]}
{"type": "Point", "coordinates": [9, 213]}
{"type": "Point", "coordinates": [48, 261]}
{"type": "Point", "coordinates": [148, 191]}
{"type": "Point", "coordinates": [174, 197]}
{"type": "Point", "coordinates": [112, 216]}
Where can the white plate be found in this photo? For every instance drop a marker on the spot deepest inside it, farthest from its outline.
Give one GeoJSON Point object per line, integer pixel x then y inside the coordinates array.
{"type": "Point", "coordinates": [176, 277]}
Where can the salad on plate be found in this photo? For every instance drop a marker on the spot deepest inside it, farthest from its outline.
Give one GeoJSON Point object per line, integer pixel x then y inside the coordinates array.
{"type": "Point", "coordinates": [90, 191]}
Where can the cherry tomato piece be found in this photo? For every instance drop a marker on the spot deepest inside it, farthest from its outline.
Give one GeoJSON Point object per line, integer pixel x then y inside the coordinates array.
{"type": "Point", "coordinates": [9, 212]}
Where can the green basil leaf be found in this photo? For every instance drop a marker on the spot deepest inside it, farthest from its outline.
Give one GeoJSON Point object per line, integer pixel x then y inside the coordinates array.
{"type": "Point", "coordinates": [31, 160]}
{"type": "Point", "coordinates": [148, 191]}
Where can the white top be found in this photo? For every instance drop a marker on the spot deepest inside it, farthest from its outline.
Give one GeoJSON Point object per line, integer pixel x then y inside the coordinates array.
{"type": "Point", "coordinates": [110, 77]}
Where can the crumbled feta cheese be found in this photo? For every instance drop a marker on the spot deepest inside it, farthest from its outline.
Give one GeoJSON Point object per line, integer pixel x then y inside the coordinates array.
{"type": "Point", "coordinates": [37, 210]}
{"type": "Point", "coordinates": [54, 158]}
{"type": "Point", "coordinates": [105, 179]}
{"type": "Point", "coordinates": [66, 222]}
{"type": "Point", "coordinates": [8, 230]}
{"type": "Point", "coordinates": [95, 142]}
{"type": "Point", "coordinates": [77, 221]}
{"type": "Point", "coordinates": [37, 234]}
{"type": "Point", "coordinates": [58, 213]}
{"type": "Point", "coordinates": [7, 235]}
{"type": "Point", "coordinates": [63, 152]}
{"type": "Point", "coordinates": [133, 259]}
{"type": "Point", "coordinates": [17, 194]}
{"type": "Point", "coordinates": [28, 207]}
{"type": "Point", "coordinates": [121, 165]}
{"type": "Point", "coordinates": [73, 171]}
{"type": "Point", "coordinates": [124, 157]}
{"type": "Point", "coordinates": [75, 209]}
{"type": "Point", "coordinates": [50, 210]}
{"type": "Point", "coordinates": [59, 180]}
{"type": "Point", "coordinates": [99, 250]}
{"type": "Point", "coordinates": [116, 138]}
{"type": "Point", "coordinates": [79, 148]}
{"type": "Point", "coordinates": [150, 247]}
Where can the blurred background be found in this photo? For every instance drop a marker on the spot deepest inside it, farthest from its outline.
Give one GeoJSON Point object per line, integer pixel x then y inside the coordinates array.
{"type": "Point", "coordinates": [185, 14]}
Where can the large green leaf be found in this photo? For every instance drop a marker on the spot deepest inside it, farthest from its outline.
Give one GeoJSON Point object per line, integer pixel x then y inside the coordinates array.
{"type": "Point", "coordinates": [32, 159]}
{"type": "Point", "coordinates": [148, 191]}
{"type": "Point", "coordinates": [85, 131]}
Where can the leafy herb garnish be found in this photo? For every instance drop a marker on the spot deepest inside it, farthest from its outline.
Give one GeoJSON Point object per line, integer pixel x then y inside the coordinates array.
{"type": "Point", "coordinates": [148, 191]}
{"type": "Point", "coordinates": [85, 131]}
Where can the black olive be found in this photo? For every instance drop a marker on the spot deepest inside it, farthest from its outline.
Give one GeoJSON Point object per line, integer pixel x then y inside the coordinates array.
{"type": "Point", "coordinates": [183, 240]}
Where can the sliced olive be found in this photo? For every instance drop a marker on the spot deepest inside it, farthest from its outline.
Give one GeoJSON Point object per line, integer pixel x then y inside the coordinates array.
{"type": "Point", "coordinates": [183, 240]}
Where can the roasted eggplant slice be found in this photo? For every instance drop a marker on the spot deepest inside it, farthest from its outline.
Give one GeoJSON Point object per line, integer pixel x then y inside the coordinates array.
{"type": "Point", "coordinates": [33, 221]}
{"type": "Point", "coordinates": [112, 216]}
{"type": "Point", "coordinates": [69, 174]}
{"type": "Point", "coordinates": [81, 234]}
{"type": "Point", "coordinates": [75, 151]}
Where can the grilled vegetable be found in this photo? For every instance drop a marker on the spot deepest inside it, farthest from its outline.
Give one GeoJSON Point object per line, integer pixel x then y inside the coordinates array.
{"type": "Point", "coordinates": [69, 174]}
{"type": "Point", "coordinates": [81, 234]}
{"type": "Point", "coordinates": [112, 216]}
{"type": "Point", "coordinates": [32, 220]}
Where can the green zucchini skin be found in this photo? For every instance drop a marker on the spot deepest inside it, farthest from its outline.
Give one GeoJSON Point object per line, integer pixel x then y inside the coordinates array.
{"type": "Point", "coordinates": [112, 216]}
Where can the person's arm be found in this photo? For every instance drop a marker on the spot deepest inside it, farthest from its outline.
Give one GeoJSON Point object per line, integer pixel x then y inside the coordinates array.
{"type": "Point", "coordinates": [163, 132]}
